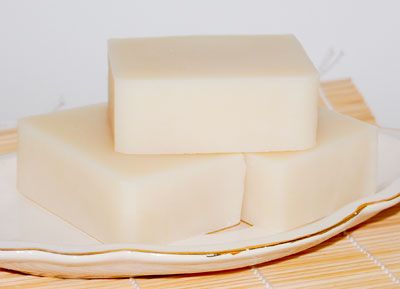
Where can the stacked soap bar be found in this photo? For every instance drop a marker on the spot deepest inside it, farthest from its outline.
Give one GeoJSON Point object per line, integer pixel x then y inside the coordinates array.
{"type": "Point", "coordinates": [140, 171]}
{"type": "Point", "coordinates": [212, 94]}
{"type": "Point", "coordinates": [285, 190]}
{"type": "Point", "coordinates": [66, 163]}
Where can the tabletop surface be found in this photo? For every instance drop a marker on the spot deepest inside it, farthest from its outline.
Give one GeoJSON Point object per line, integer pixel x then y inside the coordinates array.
{"type": "Point", "coordinates": [367, 256]}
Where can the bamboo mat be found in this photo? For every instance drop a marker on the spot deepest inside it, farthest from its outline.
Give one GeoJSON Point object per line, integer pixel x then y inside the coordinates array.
{"type": "Point", "coordinates": [367, 256]}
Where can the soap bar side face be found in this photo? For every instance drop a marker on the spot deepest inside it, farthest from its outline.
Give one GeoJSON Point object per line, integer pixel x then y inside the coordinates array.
{"type": "Point", "coordinates": [192, 201]}
{"type": "Point", "coordinates": [290, 189]}
{"type": "Point", "coordinates": [111, 98]}
{"type": "Point", "coordinates": [62, 182]}
{"type": "Point", "coordinates": [201, 116]}
{"type": "Point", "coordinates": [177, 97]}
{"type": "Point", "coordinates": [119, 198]}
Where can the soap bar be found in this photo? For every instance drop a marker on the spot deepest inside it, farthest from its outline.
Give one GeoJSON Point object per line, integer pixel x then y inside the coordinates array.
{"type": "Point", "coordinates": [210, 94]}
{"type": "Point", "coordinates": [67, 164]}
{"type": "Point", "coordinates": [285, 190]}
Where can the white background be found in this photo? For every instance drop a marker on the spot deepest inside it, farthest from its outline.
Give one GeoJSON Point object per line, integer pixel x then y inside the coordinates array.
{"type": "Point", "coordinates": [52, 49]}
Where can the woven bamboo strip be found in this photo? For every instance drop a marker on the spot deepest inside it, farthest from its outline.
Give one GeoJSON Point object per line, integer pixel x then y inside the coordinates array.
{"type": "Point", "coordinates": [337, 263]}
{"type": "Point", "coordinates": [8, 140]}
{"type": "Point", "coordinates": [382, 239]}
{"type": "Point", "coordinates": [21, 281]}
{"type": "Point", "coordinates": [235, 279]}
{"type": "Point", "coordinates": [333, 264]}
{"type": "Point", "coordinates": [346, 98]}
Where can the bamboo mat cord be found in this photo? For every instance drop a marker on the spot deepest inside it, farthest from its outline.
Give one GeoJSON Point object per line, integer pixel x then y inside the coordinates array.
{"type": "Point", "coordinates": [135, 285]}
{"type": "Point", "coordinates": [261, 277]}
{"type": "Point", "coordinates": [372, 258]}
{"type": "Point", "coordinates": [367, 256]}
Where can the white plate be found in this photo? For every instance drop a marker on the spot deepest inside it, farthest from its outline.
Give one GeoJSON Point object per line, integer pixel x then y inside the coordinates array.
{"type": "Point", "coordinates": [35, 241]}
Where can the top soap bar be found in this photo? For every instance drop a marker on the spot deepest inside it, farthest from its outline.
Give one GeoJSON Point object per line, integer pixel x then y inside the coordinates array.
{"type": "Point", "coordinates": [209, 56]}
{"type": "Point", "coordinates": [205, 94]}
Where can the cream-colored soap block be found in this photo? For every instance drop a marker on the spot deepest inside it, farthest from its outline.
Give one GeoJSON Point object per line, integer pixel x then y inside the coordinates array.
{"type": "Point", "coordinates": [286, 190]}
{"type": "Point", "coordinates": [67, 164]}
{"type": "Point", "coordinates": [203, 94]}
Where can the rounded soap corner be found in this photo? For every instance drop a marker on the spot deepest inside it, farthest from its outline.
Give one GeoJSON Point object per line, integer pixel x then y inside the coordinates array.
{"type": "Point", "coordinates": [310, 145]}
{"type": "Point", "coordinates": [118, 148]}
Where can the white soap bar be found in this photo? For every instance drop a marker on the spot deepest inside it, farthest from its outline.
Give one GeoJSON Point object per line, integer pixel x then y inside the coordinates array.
{"type": "Point", "coordinates": [67, 164]}
{"type": "Point", "coordinates": [202, 94]}
{"type": "Point", "coordinates": [286, 190]}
